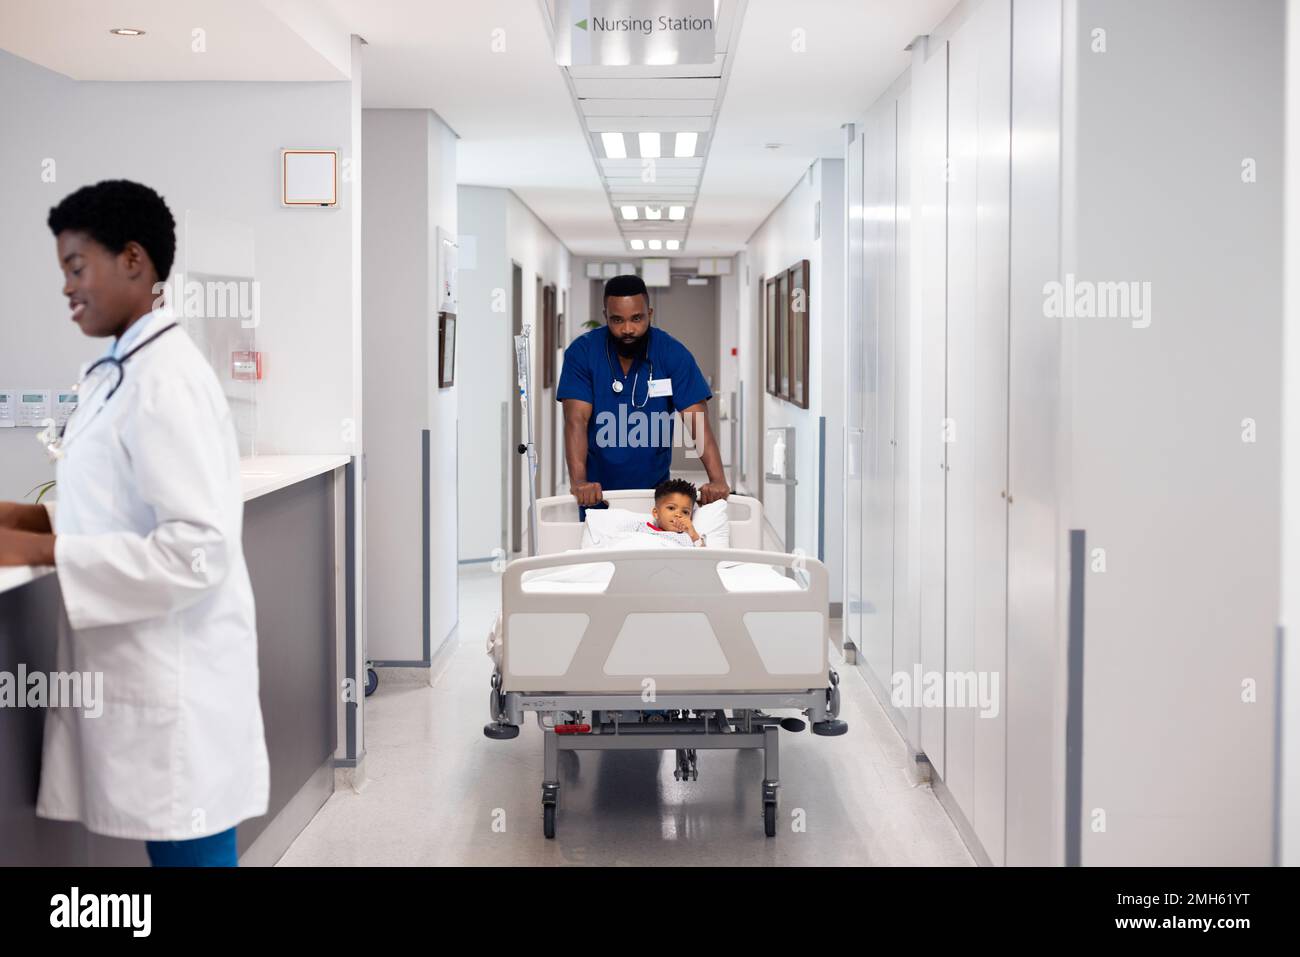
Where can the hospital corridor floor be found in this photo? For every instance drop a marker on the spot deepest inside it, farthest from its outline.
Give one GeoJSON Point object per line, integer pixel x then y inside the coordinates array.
{"type": "Point", "coordinates": [437, 792]}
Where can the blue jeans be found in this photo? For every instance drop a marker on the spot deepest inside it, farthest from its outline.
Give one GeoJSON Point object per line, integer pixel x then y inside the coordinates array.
{"type": "Point", "coordinates": [215, 850]}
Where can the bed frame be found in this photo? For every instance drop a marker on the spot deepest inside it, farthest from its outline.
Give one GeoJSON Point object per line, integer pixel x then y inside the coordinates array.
{"type": "Point", "coordinates": [664, 657]}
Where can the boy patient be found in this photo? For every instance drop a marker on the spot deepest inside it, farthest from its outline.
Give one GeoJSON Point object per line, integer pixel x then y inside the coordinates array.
{"type": "Point", "coordinates": [670, 518]}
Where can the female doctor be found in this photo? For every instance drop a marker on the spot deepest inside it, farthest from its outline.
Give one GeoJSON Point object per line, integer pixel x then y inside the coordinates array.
{"type": "Point", "coordinates": [146, 542]}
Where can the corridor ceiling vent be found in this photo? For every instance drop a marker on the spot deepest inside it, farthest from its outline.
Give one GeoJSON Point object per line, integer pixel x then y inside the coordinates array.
{"type": "Point", "coordinates": [647, 78]}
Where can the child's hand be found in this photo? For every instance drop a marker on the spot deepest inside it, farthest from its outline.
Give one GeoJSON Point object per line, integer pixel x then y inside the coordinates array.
{"type": "Point", "coordinates": [684, 524]}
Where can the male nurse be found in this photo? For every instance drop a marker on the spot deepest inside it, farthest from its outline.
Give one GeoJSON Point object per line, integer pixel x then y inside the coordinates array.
{"type": "Point", "coordinates": [620, 386]}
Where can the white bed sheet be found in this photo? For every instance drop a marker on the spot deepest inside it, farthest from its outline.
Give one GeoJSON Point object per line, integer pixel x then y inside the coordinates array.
{"type": "Point", "coordinates": [589, 579]}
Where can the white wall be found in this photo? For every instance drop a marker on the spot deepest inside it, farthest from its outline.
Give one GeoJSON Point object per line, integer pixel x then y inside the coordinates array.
{"type": "Point", "coordinates": [410, 181]}
{"type": "Point", "coordinates": [504, 231]}
{"type": "Point", "coordinates": [487, 370]}
{"type": "Point", "coordinates": [749, 372]}
{"type": "Point", "coordinates": [212, 147]}
{"type": "Point", "coordinates": [539, 251]}
{"type": "Point", "coordinates": [783, 239]}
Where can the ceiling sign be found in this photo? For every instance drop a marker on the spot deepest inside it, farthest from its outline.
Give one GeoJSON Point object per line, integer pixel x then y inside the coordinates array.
{"type": "Point", "coordinates": [634, 32]}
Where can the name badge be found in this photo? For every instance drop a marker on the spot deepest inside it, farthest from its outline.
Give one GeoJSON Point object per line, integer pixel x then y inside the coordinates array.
{"type": "Point", "coordinates": [660, 387]}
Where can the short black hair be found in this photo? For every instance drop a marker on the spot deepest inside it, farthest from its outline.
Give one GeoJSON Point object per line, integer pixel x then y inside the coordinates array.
{"type": "Point", "coordinates": [629, 285]}
{"type": "Point", "coordinates": [115, 212]}
{"type": "Point", "coordinates": [674, 486]}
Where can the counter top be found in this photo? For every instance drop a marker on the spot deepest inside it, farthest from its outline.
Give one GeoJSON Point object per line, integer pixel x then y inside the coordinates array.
{"type": "Point", "coordinates": [260, 475]}
{"type": "Point", "coordinates": [263, 474]}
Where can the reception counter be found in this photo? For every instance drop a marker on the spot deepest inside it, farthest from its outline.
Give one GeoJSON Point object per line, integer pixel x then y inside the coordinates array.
{"type": "Point", "coordinates": [295, 522]}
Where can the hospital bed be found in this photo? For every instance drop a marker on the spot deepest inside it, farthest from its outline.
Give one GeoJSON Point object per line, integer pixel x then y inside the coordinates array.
{"type": "Point", "coordinates": [662, 649]}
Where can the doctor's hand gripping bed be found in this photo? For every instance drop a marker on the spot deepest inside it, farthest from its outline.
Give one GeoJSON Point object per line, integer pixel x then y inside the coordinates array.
{"type": "Point", "coordinates": [661, 649]}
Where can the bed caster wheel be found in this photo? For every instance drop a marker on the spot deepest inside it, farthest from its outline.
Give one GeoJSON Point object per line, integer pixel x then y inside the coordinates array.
{"type": "Point", "coordinates": [686, 768]}
{"type": "Point", "coordinates": [548, 821]}
{"type": "Point", "coordinates": [499, 731]}
{"type": "Point", "coordinates": [769, 818]}
{"type": "Point", "coordinates": [830, 729]}
{"type": "Point", "coordinates": [372, 681]}
{"type": "Point", "coordinates": [793, 724]}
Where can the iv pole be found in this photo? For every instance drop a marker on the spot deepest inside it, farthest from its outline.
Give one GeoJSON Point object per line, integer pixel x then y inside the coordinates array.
{"type": "Point", "coordinates": [524, 374]}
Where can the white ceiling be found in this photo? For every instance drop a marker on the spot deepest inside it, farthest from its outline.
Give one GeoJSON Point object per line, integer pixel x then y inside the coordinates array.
{"type": "Point", "coordinates": [241, 39]}
{"type": "Point", "coordinates": [518, 126]}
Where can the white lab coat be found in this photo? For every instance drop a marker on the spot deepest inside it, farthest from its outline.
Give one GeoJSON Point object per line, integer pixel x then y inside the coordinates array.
{"type": "Point", "coordinates": [150, 561]}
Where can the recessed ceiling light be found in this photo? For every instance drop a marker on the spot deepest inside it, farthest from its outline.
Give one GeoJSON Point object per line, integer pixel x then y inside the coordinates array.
{"type": "Point", "coordinates": [676, 212]}
{"type": "Point", "coordinates": [673, 244]}
{"type": "Point", "coordinates": [638, 244]}
{"type": "Point", "coordinates": [772, 146]}
{"type": "Point", "coordinates": [656, 244]}
{"type": "Point", "coordinates": [126, 32]}
{"type": "Point", "coordinates": [629, 212]}
{"type": "Point", "coordinates": [649, 145]}
{"type": "Point", "coordinates": [686, 143]}
{"type": "Point", "coordinates": [614, 148]}
{"type": "Point", "coordinates": [654, 212]}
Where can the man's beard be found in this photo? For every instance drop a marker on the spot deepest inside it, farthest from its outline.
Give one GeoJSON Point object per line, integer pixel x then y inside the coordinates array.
{"type": "Point", "coordinates": [631, 350]}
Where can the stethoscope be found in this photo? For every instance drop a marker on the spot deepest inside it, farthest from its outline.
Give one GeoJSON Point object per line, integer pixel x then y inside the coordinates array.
{"type": "Point", "coordinates": [617, 383]}
{"type": "Point", "coordinates": [57, 446]}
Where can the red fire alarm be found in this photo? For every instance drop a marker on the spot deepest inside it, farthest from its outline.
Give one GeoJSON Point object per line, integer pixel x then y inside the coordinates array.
{"type": "Point", "coordinates": [246, 366]}
{"type": "Point", "coordinates": [733, 350]}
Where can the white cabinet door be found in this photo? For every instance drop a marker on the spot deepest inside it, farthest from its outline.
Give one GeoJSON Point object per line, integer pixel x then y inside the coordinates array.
{"type": "Point", "coordinates": [878, 478]}
{"type": "Point", "coordinates": [929, 304]}
{"type": "Point", "coordinates": [854, 379]}
{"type": "Point", "coordinates": [979, 112]}
{"type": "Point", "coordinates": [907, 469]}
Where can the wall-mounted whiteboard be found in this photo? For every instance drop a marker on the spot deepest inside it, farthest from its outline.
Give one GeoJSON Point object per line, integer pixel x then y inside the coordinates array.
{"type": "Point", "coordinates": [309, 177]}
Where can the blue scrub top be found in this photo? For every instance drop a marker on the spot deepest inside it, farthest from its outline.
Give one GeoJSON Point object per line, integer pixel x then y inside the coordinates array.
{"type": "Point", "coordinates": [630, 434]}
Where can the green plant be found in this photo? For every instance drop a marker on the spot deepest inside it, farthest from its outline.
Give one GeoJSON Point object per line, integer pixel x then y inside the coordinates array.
{"type": "Point", "coordinates": [591, 324]}
{"type": "Point", "coordinates": [42, 490]}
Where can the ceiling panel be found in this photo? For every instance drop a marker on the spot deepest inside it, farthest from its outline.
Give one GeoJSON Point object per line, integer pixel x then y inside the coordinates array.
{"type": "Point", "coordinates": [647, 89]}
{"type": "Point", "coordinates": [648, 107]}
{"type": "Point", "coordinates": [619, 167]}
{"type": "Point", "coordinates": [649, 124]}
{"type": "Point", "coordinates": [713, 69]}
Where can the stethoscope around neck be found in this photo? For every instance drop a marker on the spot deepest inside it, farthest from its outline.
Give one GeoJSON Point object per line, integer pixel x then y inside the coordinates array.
{"type": "Point", "coordinates": [56, 445]}
{"type": "Point", "coordinates": [617, 384]}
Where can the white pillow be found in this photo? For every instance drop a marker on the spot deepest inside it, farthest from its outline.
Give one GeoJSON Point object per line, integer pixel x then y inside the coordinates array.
{"type": "Point", "coordinates": [602, 524]}
{"type": "Point", "coordinates": [711, 521]}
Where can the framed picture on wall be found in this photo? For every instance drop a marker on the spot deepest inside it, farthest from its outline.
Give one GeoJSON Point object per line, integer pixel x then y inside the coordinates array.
{"type": "Point", "coordinates": [769, 325]}
{"type": "Point", "coordinates": [559, 321]}
{"type": "Point", "coordinates": [548, 336]}
{"type": "Point", "coordinates": [446, 350]}
{"type": "Point", "coordinates": [799, 330]}
{"type": "Point", "coordinates": [783, 335]}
